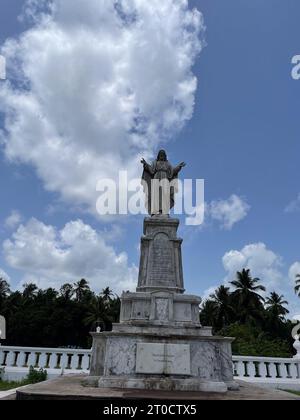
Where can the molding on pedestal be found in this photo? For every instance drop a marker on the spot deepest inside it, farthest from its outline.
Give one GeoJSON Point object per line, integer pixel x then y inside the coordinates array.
{"type": "Point", "coordinates": [160, 307]}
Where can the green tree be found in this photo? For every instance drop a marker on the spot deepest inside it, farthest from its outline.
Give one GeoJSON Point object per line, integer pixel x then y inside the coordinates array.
{"type": "Point", "coordinates": [208, 313]}
{"type": "Point", "coordinates": [66, 291]}
{"type": "Point", "coordinates": [252, 340]}
{"type": "Point", "coordinates": [98, 314]}
{"type": "Point", "coordinates": [47, 318]}
{"type": "Point", "coordinates": [275, 305]}
{"type": "Point", "coordinates": [224, 311]}
{"type": "Point", "coordinates": [114, 309]}
{"type": "Point", "coordinates": [80, 288]}
{"type": "Point", "coordinates": [107, 293]}
{"type": "Point", "coordinates": [247, 299]}
{"type": "Point", "coordinates": [4, 289]}
{"type": "Point", "coordinates": [30, 291]}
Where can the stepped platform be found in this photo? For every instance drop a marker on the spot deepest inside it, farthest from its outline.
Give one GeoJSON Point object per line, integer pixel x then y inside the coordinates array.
{"type": "Point", "coordinates": [72, 388]}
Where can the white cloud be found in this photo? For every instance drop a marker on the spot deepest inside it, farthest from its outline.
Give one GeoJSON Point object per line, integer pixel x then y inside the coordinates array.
{"type": "Point", "coordinates": [228, 212]}
{"type": "Point", "coordinates": [294, 206]}
{"type": "Point", "coordinates": [4, 275]}
{"type": "Point", "coordinates": [13, 220]}
{"type": "Point", "coordinates": [96, 85]}
{"type": "Point", "coordinates": [262, 262]}
{"type": "Point", "coordinates": [294, 271]}
{"type": "Point", "coordinates": [208, 292]}
{"type": "Point", "coordinates": [52, 257]}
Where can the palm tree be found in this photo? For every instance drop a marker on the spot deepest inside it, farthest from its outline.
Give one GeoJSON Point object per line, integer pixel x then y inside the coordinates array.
{"type": "Point", "coordinates": [297, 287]}
{"type": "Point", "coordinates": [107, 293]}
{"type": "Point", "coordinates": [275, 305]}
{"type": "Point", "coordinates": [4, 289]}
{"type": "Point", "coordinates": [208, 313]}
{"type": "Point", "coordinates": [247, 287]}
{"type": "Point", "coordinates": [48, 295]}
{"type": "Point", "coordinates": [224, 311]}
{"type": "Point", "coordinates": [80, 288]}
{"type": "Point", "coordinates": [114, 309]}
{"type": "Point", "coordinates": [67, 291]}
{"type": "Point", "coordinates": [30, 290]}
{"type": "Point", "coordinates": [97, 313]}
{"type": "Point", "coordinates": [247, 296]}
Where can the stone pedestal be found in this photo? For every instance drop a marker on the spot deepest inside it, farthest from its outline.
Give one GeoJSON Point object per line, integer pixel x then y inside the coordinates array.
{"type": "Point", "coordinates": [159, 343]}
{"type": "Point", "coordinates": [160, 308]}
{"type": "Point", "coordinates": [161, 261]}
{"type": "Point", "coordinates": [159, 359]}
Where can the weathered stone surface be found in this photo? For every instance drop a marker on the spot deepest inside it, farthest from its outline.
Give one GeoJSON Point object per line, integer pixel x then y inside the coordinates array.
{"type": "Point", "coordinates": [71, 388]}
{"type": "Point", "coordinates": [163, 330]}
{"type": "Point", "coordinates": [159, 343]}
{"type": "Point", "coordinates": [164, 359]}
{"type": "Point", "coordinates": [164, 383]}
{"type": "Point", "coordinates": [160, 308]}
{"type": "Point", "coordinates": [210, 361]}
{"type": "Point", "coordinates": [161, 260]}
{"type": "Point", "coordinates": [120, 356]}
{"type": "Point", "coordinates": [98, 357]}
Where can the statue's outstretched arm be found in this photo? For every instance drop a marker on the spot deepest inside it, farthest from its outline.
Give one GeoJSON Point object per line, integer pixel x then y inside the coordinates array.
{"type": "Point", "coordinates": [148, 168]}
{"type": "Point", "coordinates": [179, 168]}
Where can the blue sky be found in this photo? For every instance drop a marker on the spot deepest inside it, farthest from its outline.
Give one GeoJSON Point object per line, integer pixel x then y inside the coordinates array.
{"type": "Point", "coordinates": [242, 138]}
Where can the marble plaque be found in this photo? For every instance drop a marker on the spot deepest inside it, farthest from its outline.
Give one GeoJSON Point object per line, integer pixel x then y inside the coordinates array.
{"type": "Point", "coordinates": [163, 359]}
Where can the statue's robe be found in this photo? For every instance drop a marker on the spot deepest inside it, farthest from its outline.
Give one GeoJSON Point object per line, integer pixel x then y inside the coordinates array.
{"type": "Point", "coordinates": [159, 170]}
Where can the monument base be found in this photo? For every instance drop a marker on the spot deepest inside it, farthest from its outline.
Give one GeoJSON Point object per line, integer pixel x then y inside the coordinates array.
{"type": "Point", "coordinates": [70, 388]}
{"type": "Point", "coordinates": [160, 343]}
{"type": "Point", "coordinates": [164, 384]}
{"type": "Point", "coordinates": [161, 360]}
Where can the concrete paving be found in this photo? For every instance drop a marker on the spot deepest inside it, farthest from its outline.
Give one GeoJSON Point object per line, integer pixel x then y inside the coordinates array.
{"type": "Point", "coordinates": [71, 388]}
{"type": "Point", "coordinates": [6, 395]}
{"type": "Point", "coordinates": [10, 394]}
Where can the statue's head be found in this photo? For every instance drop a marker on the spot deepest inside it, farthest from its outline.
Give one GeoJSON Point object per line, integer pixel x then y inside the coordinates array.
{"type": "Point", "coordinates": [162, 156]}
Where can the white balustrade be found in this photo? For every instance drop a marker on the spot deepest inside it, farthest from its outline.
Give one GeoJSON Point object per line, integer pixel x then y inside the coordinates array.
{"type": "Point", "coordinates": [45, 358]}
{"type": "Point", "coordinates": [265, 368]}
{"type": "Point", "coordinates": [283, 373]}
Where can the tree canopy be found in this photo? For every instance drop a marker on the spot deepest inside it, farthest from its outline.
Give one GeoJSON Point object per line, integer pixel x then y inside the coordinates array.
{"type": "Point", "coordinates": [51, 318]}
{"type": "Point", "coordinates": [65, 318]}
{"type": "Point", "coordinates": [258, 323]}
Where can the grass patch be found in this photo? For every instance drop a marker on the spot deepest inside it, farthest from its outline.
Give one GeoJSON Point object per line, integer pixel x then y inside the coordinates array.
{"type": "Point", "coordinates": [34, 377]}
{"type": "Point", "coordinates": [7, 386]}
{"type": "Point", "coordinates": [294, 392]}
